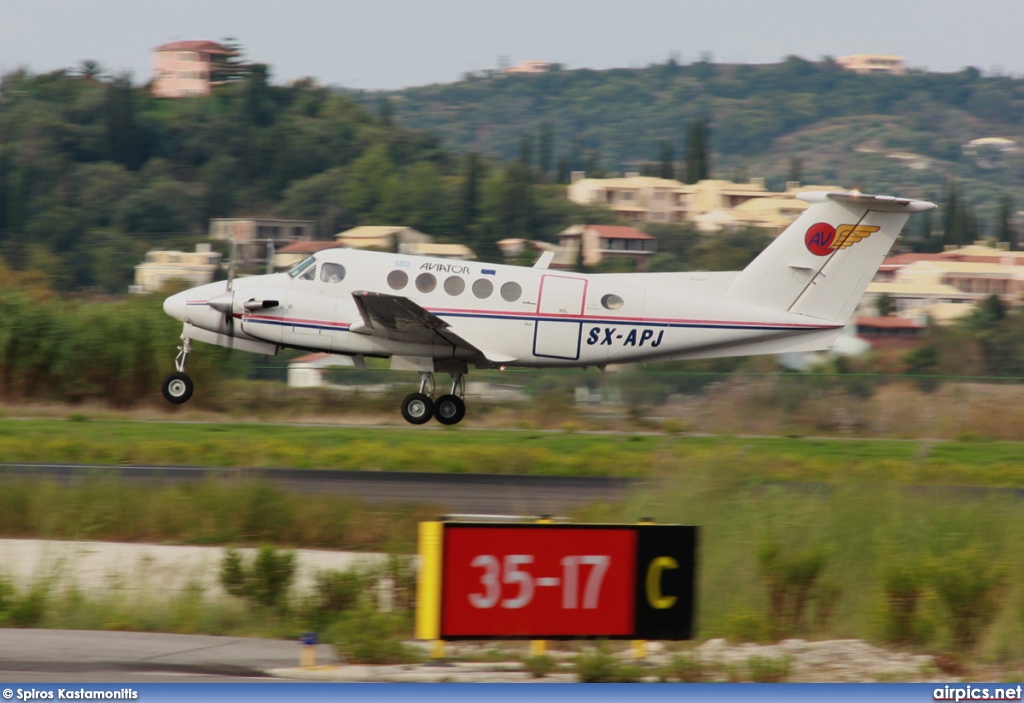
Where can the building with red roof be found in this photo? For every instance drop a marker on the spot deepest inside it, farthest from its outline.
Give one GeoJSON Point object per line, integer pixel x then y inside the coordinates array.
{"type": "Point", "coordinates": [186, 68]}
{"type": "Point", "coordinates": [594, 244]}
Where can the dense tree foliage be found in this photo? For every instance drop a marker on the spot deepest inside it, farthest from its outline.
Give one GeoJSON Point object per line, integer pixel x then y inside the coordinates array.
{"type": "Point", "coordinates": [94, 172]}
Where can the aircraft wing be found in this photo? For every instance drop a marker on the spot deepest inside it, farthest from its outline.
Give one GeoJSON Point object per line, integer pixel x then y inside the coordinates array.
{"type": "Point", "coordinates": [400, 319]}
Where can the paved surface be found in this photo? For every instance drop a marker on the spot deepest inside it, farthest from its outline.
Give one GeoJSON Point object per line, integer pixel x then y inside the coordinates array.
{"type": "Point", "coordinates": [453, 493]}
{"type": "Point", "coordinates": [80, 656]}
{"type": "Point", "coordinates": [79, 652]}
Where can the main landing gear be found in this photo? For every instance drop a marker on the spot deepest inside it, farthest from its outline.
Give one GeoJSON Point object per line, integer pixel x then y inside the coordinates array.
{"type": "Point", "coordinates": [448, 409]}
{"type": "Point", "coordinates": [177, 387]}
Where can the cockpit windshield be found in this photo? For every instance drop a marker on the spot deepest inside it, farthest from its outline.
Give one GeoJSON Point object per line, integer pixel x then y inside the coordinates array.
{"type": "Point", "coordinates": [301, 266]}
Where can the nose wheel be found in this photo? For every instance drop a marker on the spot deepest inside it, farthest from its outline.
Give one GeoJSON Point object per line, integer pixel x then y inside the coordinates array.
{"type": "Point", "coordinates": [177, 387]}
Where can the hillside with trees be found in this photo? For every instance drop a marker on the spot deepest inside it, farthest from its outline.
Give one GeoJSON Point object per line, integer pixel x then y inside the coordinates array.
{"type": "Point", "coordinates": [794, 120]}
{"type": "Point", "coordinates": [94, 172]}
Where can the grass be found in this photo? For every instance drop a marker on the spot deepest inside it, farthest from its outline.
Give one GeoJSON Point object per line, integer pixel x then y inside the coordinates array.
{"type": "Point", "coordinates": [856, 530]}
{"type": "Point", "coordinates": [855, 502]}
{"type": "Point", "coordinates": [114, 442]}
{"type": "Point", "coordinates": [206, 513]}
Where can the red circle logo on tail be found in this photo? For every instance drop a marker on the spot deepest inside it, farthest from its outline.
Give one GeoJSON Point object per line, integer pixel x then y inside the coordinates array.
{"type": "Point", "coordinates": [819, 238]}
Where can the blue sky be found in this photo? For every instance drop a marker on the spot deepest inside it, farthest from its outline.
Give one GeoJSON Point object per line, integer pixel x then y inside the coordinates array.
{"type": "Point", "coordinates": [385, 44]}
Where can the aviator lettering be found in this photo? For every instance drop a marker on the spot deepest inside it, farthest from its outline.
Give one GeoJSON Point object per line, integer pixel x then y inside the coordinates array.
{"type": "Point", "coordinates": [444, 268]}
{"type": "Point", "coordinates": [607, 336]}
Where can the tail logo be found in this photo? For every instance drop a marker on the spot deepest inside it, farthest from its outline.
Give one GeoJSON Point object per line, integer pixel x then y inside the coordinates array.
{"type": "Point", "coordinates": [822, 238]}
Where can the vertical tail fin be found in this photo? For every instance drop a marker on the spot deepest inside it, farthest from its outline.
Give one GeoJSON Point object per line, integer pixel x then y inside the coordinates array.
{"type": "Point", "coordinates": [822, 263]}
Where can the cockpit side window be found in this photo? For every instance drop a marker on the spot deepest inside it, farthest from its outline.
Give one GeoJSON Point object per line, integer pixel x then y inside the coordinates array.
{"type": "Point", "coordinates": [309, 274]}
{"type": "Point", "coordinates": [332, 273]}
{"type": "Point", "coordinates": [300, 267]}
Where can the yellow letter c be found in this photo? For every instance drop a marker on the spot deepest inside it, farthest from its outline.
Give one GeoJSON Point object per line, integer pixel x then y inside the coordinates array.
{"type": "Point", "coordinates": [654, 595]}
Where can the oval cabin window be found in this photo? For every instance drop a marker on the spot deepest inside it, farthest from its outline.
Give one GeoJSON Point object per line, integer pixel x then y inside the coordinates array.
{"type": "Point", "coordinates": [612, 302]}
{"type": "Point", "coordinates": [426, 282]}
{"type": "Point", "coordinates": [398, 279]}
{"type": "Point", "coordinates": [483, 288]}
{"type": "Point", "coordinates": [511, 291]}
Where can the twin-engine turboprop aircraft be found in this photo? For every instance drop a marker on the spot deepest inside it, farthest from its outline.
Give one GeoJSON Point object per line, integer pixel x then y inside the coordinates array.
{"type": "Point", "coordinates": [443, 316]}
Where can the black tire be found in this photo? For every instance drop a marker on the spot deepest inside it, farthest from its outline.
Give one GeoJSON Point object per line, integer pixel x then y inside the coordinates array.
{"type": "Point", "coordinates": [449, 409]}
{"type": "Point", "coordinates": [417, 408]}
{"type": "Point", "coordinates": [177, 388]}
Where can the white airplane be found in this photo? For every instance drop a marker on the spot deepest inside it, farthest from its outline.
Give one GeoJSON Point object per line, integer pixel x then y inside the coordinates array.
{"type": "Point", "coordinates": [443, 316]}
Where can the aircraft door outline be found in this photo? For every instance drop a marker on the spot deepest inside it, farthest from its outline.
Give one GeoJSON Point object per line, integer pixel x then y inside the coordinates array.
{"type": "Point", "coordinates": [558, 331]}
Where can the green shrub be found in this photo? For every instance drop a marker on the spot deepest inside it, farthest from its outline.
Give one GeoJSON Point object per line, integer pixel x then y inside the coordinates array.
{"type": "Point", "coordinates": [265, 581]}
{"type": "Point", "coordinates": [769, 669]}
{"type": "Point", "coordinates": [599, 665]}
{"type": "Point", "coordinates": [791, 581]}
{"type": "Point", "coordinates": [685, 668]}
{"type": "Point", "coordinates": [6, 601]}
{"type": "Point", "coordinates": [334, 593]}
{"type": "Point", "coordinates": [746, 625]}
{"type": "Point", "coordinates": [27, 609]}
{"type": "Point", "coordinates": [903, 584]}
{"type": "Point", "coordinates": [367, 636]}
{"type": "Point", "coordinates": [540, 665]}
{"type": "Point", "coordinates": [969, 585]}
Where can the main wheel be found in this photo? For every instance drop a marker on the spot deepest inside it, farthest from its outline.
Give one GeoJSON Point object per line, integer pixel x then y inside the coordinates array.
{"type": "Point", "coordinates": [417, 408]}
{"type": "Point", "coordinates": [449, 409]}
{"type": "Point", "coordinates": [177, 388]}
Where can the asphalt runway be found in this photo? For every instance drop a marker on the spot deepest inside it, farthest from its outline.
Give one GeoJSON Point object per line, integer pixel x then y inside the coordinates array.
{"type": "Point", "coordinates": [492, 494]}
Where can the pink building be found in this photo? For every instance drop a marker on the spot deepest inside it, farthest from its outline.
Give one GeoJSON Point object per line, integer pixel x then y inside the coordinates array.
{"type": "Point", "coordinates": [183, 68]}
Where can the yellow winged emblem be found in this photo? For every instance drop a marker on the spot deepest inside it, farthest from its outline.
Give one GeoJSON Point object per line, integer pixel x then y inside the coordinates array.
{"type": "Point", "coordinates": [848, 235]}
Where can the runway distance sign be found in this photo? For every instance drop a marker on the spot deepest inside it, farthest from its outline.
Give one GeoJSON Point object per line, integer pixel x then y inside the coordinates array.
{"type": "Point", "coordinates": [542, 581]}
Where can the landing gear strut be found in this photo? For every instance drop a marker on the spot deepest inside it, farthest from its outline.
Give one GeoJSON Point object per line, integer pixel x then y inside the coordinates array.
{"type": "Point", "coordinates": [177, 387]}
{"type": "Point", "coordinates": [449, 409]}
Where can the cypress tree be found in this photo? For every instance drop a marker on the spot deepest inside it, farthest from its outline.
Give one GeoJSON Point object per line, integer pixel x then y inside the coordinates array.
{"type": "Point", "coordinates": [469, 202]}
{"type": "Point", "coordinates": [547, 150]}
{"type": "Point", "coordinates": [698, 167]}
{"type": "Point", "coordinates": [1005, 230]}
{"type": "Point", "coordinates": [668, 160]}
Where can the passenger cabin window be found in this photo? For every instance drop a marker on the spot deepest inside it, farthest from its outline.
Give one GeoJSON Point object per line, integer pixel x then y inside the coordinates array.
{"type": "Point", "coordinates": [483, 288]}
{"type": "Point", "coordinates": [511, 291]}
{"type": "Point", "coordinates": [298, 268]}
{"type": "Point", "coordinates": [426, 282]}
{"type": "Point", "coordinates": [332, 273]}
{"type": "Point", "coordinates": [454, 285]}
{"type": "Point", "coordinates": [398, 279]}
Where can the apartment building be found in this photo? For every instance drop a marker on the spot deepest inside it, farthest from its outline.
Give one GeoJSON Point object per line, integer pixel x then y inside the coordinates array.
{"type": "Point", "coordinates": [873, 63]}
{"type": "Point", "coordinates": [593, 244]}
{"type": "Point", "coordinates": [710, 204]}
{"type": "Point", "coordinates": [185, 68]}
{"type": "Point", "coordinates": [162, 266]}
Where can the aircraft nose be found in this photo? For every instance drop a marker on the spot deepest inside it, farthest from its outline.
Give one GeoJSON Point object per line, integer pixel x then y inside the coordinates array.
{"type": "Point", "coordinates": [175, 305]}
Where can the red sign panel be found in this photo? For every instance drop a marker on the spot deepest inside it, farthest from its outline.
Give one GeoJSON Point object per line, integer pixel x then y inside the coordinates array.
{"type": "Point", "coordinates": [550, 582]}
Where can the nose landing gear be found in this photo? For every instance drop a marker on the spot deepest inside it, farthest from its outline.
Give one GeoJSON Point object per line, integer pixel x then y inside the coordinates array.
{"type": "Point", "coordinates": [177, 387]}
{"type": "Point", "coordinates": [449, 409]}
